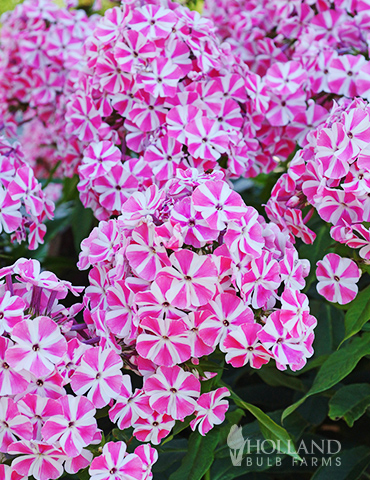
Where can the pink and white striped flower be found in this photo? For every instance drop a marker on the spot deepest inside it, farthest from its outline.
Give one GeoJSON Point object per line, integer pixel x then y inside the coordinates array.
{"type": "Point", "coordinates": [11, 311]}
{"type": "Point", "coordinates": [357, 128]}
{"type": "Point", "coordinates": [218, 204]}
{"type": "Point", "coordinates": [210, 410]}
{"type": "Point", "coordinates": [337, 278]}
{"type": "Point", "coordinates": [141, 204]}
{"type": "Point", "coordinates": [343, 74]}
{"type": "Point", "coordinates": [193, 279]}
{"type": "Point", "coordinates": [242, 346]}
{"type": "Point", "coordinates": [99, 158]}
{"type": "Point", "coordinates": [132, 53]}
{"type": "Point", "coordinates": [285, 78]}
{"type": "Point", "coordinates": [13, 424]}
{"type": "Point", "coordinates": [245, 234]}
{"type": "Point", "coordinates": [74, 428]}
{"type": "Point", "coordinates": [294, 309]}
{"type": "Point", "coordinates": [145, 254]}
{"type": "Point", "coordinates": [153, 22]}
{"type": "Point", "coordinates": [164, 341]}
{"type": "Point", "coordinates": [227, 312]}
{"type": "Point", "coordinates": [25, 187]}
{"type": "Point", "coordinates": [286, 349]}
{"type": "Point", "coordinates": [205, 139]}
{"type": "Point", "coordinates": [153, 428]}
{"type": "Point", "coordinates": [37, 459]}
{"type": "Point", "coordinates": [129, 406]}
{"type": "Point", "coordinates": [331, 144]}
{"type": "Point", "coordinates": [173, 391]}
{"type": "Point", "coordinates": [293, 270]}
{"type": "Point", "coordinates": [261, 281]}
{"type": "Point", "coordinates": [194, 321]}
{"type": "Point", "coordinates": [38, 409]}
{"type": "Point", "coordinates": [120, 300]}
{"type": "Point", "coordinates": [11, 382]}
{"type": "Point", "coordinates": [148, 456]}
{"type": "Point", "coordinates": [39, 346]}
{"type": "Point", "coordinates": [100, 375]}
{"type": "Point", "coordinates": [194, 228]}
{"type": "Point", "coordinates": [116, 464]}
{"type": "Point", "coordinates": [163, 78]}
{"type": "Point", "coordinates": [10, 216]}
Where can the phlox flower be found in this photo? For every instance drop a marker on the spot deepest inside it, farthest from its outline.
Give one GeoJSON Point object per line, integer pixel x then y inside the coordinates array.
{"type": "Point", "coordinates": [193, 279]}
{"type": "Point", "coordinates": [245, 234]}
{"type": "Point", "coordinates": [218, 204]}
{"type": "Point", "coordinates": [261, 280]}
{"type": "Point", "coordinates": [74, 428]}
{"type": "Point", "coordinates": [194, 228]}
{"type": "Point", "coordinates": [38, 409]}
{"type": "Point", "coordinates": [153, 22]}
{"type": "Point", "coordinates": [242, 346]}
{"type": "Point", "coordinates": [173, 391]}
{"type": "Point", "coordinates": [163, 341]}
{"type": "Point", "coordinates": [286, 349]}
{"type": "Point", "coordinates": [116, 464]}
{"type": "Point", "coordinates": [129, 406]}
{"type": "Point", "coordinates": [337, 278]}
{"type": "Point", "coordinates": [285, 78]}
{"type": "Point", "coordinates": [39, 346]}
{"type": "Point", "coordinates": [210, 410]}
{"type": "Point", "coordinates": [100, 375]}
{"type": "Point", "coordinates": [11, 311]}
{"type": "Point", "coordinates": [11, 382]}
{"type": "Point", "coordinates": [148, 456]}
{"type": "Point", "coordinates": [13, 424]}
{"type": "Point", "coordinates": [205, 139]}
{"type": "Point", "coordinates": [153, 428]}
{"type": "Point", "coordinates": [120, 314]}
{"type": "Point", "coordinates": [133, 52]}
{"type": "Point", "coordinates": [225, 313]}
{"type": "Point", "coordinates": [145, 254]}
{"type": "Point", "coordinates": [37, 459]}
{"type": "Point", "coordinates": [163, 78]}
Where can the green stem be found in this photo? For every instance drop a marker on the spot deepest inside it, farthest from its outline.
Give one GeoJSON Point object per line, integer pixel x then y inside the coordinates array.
{"type": "Point", "coordinates": [207, 475]}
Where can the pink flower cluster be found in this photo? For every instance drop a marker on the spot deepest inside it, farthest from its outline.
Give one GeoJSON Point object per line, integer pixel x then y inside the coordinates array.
{"type": "Point", "coordinates": [41, 45]}
{"type": "Point", "coordinates": [24, 207]}
{"type": "Point", "coordinates": [330, 175]}
{"type": "Point", "coordinates": [160, 86]}
{"type": "Point", "coordinates": [190, 267]}
{"type": "Point", "coordinates": [302, 55]}
{"type": "Point", "coordinates": [44, 430]}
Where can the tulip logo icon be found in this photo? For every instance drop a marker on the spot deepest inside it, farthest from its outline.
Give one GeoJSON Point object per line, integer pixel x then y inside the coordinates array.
{"type": "Point", "coordinates": [236, 443]}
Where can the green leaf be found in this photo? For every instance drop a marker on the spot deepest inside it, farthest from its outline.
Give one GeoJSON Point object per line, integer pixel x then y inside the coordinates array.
{"type": "Point", "coordinates": [199, 457]}
{"type": "Point", "coordinates": [350, 402]}
{"type": "Point", "coordinates": [338, 365]}
{"type": "Point", "coordinates": [316, 251]}
{"type": "Point", "coordinates": [345, 465]}
{"type": "Point", "coordinates": [223, 469]}
{"type": "Point", "coordinates": [82, 220]}
{"type": "Point", "coordinates": [270, 429]}
{"type": "Point", "coordinates": [274, 378]}
{"type": "Point", "coordinates": [358, 313]}
{"type": "Point", "coordinates": [170, 457]}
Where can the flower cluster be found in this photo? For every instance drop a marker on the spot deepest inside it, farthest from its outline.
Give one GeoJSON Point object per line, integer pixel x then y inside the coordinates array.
{"type": "Point", "coordinates": [24, 207]}
{"type": "Point", "coordinates": [188, 268]}
{"type": "Point", "coordinates": [303, 54]}
{"type": "Point", "coordinates": [43, 429]}
{"type": "Point", "coordinates": [160, 94]}
{"type": "Point", "coordinates": [41, 45]}
{"type": "Point", "coordinates": [330, 175]}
